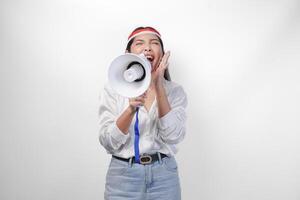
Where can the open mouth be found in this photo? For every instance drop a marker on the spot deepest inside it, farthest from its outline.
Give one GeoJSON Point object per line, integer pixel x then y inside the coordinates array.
{"type": "Point", "coordinates": [150, 58]}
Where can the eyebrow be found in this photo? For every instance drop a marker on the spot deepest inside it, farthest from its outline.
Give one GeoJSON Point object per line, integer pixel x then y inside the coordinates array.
{"type": "Point", "coordinates": [140, 40]}
{"type": "Point", "coordinates": [154, 39]}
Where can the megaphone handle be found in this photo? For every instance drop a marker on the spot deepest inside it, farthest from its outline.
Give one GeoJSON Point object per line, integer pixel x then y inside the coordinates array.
{"type": "Point", "coordinates": [137, 137]}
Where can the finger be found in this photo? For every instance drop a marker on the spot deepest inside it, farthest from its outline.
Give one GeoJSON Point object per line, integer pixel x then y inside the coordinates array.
{"type": "Point", "coordinates": [140, 98]}
{"type": "Point", "coordinates": [136, 104]}
{"type": "Point", "coordinates": [166, 57]}
{"type": "Point", "coordinates": [163, 66]}
{"type": "Point", "coordinates": [166, 66]}
{"type": "Point", "coordinates": [141, 101]}
{"type": "Point", "coordinates": [144, 95]}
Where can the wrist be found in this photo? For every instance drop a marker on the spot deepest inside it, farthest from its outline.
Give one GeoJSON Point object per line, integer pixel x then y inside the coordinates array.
{"type": "Point", "coordinates": [159, 87]}
{"type": "Point", "coordinates": [131, 110]}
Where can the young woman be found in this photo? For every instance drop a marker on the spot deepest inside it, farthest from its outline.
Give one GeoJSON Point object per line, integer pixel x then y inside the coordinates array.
{"type": "Point", "coordinates": [152, 174]}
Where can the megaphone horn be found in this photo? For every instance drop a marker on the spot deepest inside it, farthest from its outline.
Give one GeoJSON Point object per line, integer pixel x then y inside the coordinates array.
{"type": "Point", "coordinates": [130, 74]}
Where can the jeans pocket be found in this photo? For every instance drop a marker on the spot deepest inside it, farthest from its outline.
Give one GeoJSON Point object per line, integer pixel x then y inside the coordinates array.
{"type": "Point", "coordinates": [170, 164]}
{"type": "Point", "coordinates": [117, 167]}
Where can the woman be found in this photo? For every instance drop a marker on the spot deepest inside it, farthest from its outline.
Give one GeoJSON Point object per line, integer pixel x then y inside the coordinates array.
{"type": "Point", "coordinates": [152, 173]}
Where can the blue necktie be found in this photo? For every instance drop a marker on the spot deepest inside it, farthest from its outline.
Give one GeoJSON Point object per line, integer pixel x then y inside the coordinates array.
{"type": "Point", "coordinates": [136, 138]}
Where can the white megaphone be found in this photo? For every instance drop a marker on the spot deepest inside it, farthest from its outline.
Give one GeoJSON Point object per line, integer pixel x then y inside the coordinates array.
{"type": "Point", "coordinates": [130, 74]}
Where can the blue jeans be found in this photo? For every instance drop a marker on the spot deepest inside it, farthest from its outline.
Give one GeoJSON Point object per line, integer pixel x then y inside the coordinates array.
{"type": "Point", "coordinates": [159, 181]}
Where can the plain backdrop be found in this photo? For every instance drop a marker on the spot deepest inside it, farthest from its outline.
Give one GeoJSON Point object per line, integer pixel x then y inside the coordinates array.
{"type": "Point", "coordinates": [237, 60]}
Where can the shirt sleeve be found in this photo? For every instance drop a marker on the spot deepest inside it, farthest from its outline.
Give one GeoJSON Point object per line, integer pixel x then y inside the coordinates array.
{"type": "Point", "coordinates": [171, 127]}
{"type": "Point", "coordinates": [110, 136]}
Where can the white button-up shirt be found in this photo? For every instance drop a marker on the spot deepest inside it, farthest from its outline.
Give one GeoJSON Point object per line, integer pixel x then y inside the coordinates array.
{"type": "Point", "coordinates": [156, 134]}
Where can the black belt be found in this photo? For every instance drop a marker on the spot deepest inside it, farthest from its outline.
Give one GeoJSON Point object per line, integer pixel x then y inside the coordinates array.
{"type": "Point", "coordinates": [144, 159]}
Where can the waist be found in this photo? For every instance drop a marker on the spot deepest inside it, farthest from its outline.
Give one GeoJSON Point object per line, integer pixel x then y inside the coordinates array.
{"type": "Point", "coordinates": [145, 159]}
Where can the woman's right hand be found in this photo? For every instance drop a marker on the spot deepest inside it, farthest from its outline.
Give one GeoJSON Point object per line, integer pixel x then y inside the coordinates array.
{"type": "Point", "coordinates": [124, 121]}
{"type": "Point", "coordinates": [137, 102]}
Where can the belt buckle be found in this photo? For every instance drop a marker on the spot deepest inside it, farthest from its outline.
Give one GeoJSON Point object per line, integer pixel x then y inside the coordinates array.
{"type": "Point", "coordinates": [145, 159]}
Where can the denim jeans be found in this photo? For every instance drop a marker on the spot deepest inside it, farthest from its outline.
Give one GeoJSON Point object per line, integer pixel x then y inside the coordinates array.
{"type": "Point", "coordinates": [158, 180]}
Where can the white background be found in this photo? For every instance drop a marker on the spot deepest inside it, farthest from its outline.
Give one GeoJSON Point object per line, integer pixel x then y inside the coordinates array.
{"type": "Point", "coordinates": [237, 60]}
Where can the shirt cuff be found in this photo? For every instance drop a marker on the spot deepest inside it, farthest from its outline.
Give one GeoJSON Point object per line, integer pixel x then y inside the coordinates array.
{"type": "Point", "coordinates": [118, 135]}
{"type": "Point", "coordinates": [167, 120]}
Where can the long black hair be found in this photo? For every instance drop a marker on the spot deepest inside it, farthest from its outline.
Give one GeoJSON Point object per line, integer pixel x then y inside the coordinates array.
{"type": "Point", "coordinates": [166, 74]}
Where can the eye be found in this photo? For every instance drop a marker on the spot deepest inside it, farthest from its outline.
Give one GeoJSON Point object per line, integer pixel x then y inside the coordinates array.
{"type": "Point", "coordinates": [156, 43]}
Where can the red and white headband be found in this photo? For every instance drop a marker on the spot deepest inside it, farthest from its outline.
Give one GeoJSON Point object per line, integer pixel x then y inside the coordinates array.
{"type": "Point", "coordinates": [143, 31]}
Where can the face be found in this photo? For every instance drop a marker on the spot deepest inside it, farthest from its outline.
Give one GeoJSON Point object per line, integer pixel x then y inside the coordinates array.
{"type": "Point", "coordinates": [149, 45]}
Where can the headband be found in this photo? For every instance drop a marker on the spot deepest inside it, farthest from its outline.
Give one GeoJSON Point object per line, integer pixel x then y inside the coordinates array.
{"type": "Point", "coordinates": [143, 31]}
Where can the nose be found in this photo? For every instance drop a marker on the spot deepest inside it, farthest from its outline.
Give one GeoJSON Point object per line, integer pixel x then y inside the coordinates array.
{"type": "Point", "coordinates": [147, 48]}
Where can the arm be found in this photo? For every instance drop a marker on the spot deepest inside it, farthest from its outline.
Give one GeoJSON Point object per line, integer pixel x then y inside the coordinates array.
{"type": "Point", "coordinates": [114, 126]}
{"type": "Point", "coordinates": [162, 101]}
{"type": "Point", "coordinates": [171, 126]}
{"type": "Point", "coordinates": [171, 107]}
{"type": "Point", "coordinates": [110, 136]}
{"type": "Point", "coordinates": [157, 80]}
{"type": "Point", "coordinates": [124, 121]}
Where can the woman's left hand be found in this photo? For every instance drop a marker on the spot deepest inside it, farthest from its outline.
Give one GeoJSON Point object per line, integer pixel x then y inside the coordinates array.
{"type": "Point", "coordinates": [158, 74]}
